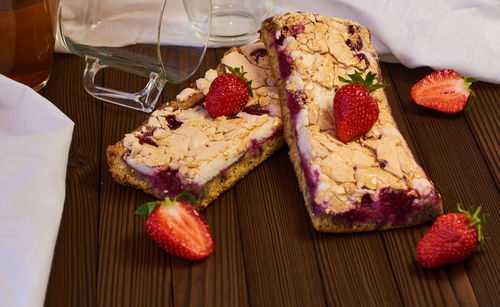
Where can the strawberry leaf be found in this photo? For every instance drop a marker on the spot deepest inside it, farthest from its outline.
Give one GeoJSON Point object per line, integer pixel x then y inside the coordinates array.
{"type": "Point", "coordinates": [468, 81]}
{"type": "Point", "coordinates": [367, 82]}
{"type": "Point", "coordinates": [475, 220]}
{"type": "Point", "coordinates": [241, 73]}
{"type": "Point", "coordinates": [467, 84]}
{"type": "Point", "coordinates": [146, 209]}
{"type": "Point", "coordinates": [185, 195]}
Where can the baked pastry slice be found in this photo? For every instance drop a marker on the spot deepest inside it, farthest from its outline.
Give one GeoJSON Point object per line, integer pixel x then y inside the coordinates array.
{"type": "Point", "coordinates": [181, 147]}
{"type": "Point", "coordinates": [371, 182]}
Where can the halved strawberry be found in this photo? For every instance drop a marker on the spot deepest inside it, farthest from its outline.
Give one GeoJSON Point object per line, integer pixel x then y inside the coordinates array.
{"type": "Point", "coordinates": [443, 90]}
{"type": "Point", "coordinates": [178, 228]}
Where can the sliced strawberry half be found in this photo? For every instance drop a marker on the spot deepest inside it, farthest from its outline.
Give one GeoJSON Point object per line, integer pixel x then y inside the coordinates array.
{"type": "Point", "coordinates": [443, 90]}
{"type": "Point", "coordinates": [178, 228]}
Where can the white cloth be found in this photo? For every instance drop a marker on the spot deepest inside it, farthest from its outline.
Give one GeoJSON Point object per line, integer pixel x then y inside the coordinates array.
{"type": "Point", "coordinates": [34, 143]}
{"type": "Point", "coordinates": [457, 34]}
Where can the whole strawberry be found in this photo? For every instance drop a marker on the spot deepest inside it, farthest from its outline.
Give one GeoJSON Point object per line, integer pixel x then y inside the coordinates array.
{"type": "Point", "coordinates": [451, 239]}
{"type": "Point", "coordinates": [443, 90]}
{"type": "Point", "coordinates": [354, 108]}
{"type": "Point", "coordinates": [228, 93]}
{"type": "Point", "coordinates": [178, 228]}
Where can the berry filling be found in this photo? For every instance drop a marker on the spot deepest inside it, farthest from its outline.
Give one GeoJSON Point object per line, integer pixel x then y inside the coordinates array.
{"type": "Point", "coordinates": [172, 122]}
{"type": "Point", "coordinates": [382, 164]}
{"type": "Point", "coordinates": [362, 57]}
{"type": "Point", "coordinates": [295, 29]}
{"type": "Point", "coordinates": [351, 29]}
{"type": "Point", "coordinates": [146, 139]}
{"type": "Point", "coordinates": [168, 183]}
{"type": "Point", "coordinates": [284, 61]}
{"type": "Point", "coordinates": [391, 207]}
{"type": "Point", "coordinates": [355, 47]}
{"type": "Point", "coordinates": [358, 45]}
{"type": "Point", "coordinates": [294, 102]}
{"type": "Point", "coordinates": [258, 53]}
{"type": "Point", "coordinates": [255, 109]}
{"type": "Point", "coordinates": [256, 145]}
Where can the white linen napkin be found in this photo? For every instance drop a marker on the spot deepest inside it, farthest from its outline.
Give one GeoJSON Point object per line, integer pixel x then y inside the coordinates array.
{"type": "Point", "coordinates": [457, 34]}
{"type": "Point", "coordinates": [34, 143]}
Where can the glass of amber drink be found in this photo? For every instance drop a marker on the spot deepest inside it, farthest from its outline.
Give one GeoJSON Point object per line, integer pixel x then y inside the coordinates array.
{"type": "Point", "coordinates": [27, 36]}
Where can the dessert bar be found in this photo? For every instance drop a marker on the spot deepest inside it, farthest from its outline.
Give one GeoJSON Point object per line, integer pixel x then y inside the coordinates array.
{"type": "Point", "coordinates": [371, 182]}
{"type": "Point", "coordinates": [181, 147]}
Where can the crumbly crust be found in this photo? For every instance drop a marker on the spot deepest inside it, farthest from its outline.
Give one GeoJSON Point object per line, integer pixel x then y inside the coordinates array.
{"type": "Point", "coordinates": [318, 50]}
{"type": "Point", "coordinates": [206, 152]}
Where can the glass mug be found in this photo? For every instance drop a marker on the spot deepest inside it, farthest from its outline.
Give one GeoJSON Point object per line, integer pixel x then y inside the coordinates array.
{"type": "Point", "coordinates": [27, 36]}
{"type": "Point", "coordinates": [234, 22]}
{"type": "Point", "coordinates": [148, 38]}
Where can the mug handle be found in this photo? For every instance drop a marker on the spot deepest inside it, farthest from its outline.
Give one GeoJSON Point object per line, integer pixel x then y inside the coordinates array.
{"type": "Point", "coordinates": [145, 100]}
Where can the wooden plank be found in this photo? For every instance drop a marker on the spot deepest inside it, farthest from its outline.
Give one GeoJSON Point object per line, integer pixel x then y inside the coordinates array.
{"type": "Point", "coordinates": [220, 279]}
{"type": "Point", "coordinates": [75, 256]}
{"type": "Point", "coordinates": [355, 270]}
{"type": "Point", "coordinates": [277, 238]}
{"type": "Point", "coordinates": [453, 160]}
{"type": "Point", "coordinates": [484, 119]}
{"type": "Point", "coordinates": [132, 270]}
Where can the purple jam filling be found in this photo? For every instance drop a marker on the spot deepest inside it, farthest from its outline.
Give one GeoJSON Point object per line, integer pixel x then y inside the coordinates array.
{"type": "Point", "coordinates": [258, 53]}
{"type": "Point", "coordinates": [351, 29]}
{"type": "Point", "coordinates": [146, 139]}
{"type": "Point", "coordinates": [256, 145]}
{"type": "Point", "coordinates": [392, 207]}
{"type": "Point", "coordinates": [355, 47]}
{"type": "Point", "coordinates": [284, 61]}
{"type": "Point", "coordinates": [285, 65]}
{"type": "Point", "coordinates": [294, 103]}
{"type": "Point", "coordinates": [362, 57]}
{"type": "Point", "coordinates": [255, 109]}
{"type": "Point", "coordinates": [296, 29]}
{"type": "Point", "coordinates": [358, 45]}
{"type": "Point", "coordinates": [382, 164]}
{"type": "Point", "coordinates": [172, 122]}
{"type": "Point", "coordinates": [168, 183]}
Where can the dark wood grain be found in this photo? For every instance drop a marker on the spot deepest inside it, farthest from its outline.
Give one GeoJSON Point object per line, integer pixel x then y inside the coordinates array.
{"type": "Point", "coordinates": [267, 253]}
{"type": "Point", "coordinates": [484, 120]}
{"type": "Point", "coordinates": [451, 156]}
{"type": "Point", "coordinates": [279, 254]}
{"type": "Point", "coordinates": [132, 271]}
{"type": "Point", "coordinates": [75, 263]}
{"type": "Point", "coordinates": [428, 289]}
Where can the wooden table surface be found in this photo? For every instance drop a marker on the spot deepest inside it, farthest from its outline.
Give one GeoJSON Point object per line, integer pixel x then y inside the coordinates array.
{"type": "Point", "coordinates": [267, 253]}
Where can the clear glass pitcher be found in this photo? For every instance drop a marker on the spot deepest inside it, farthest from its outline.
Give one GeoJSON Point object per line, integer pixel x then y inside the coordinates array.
{"type": "Point", "coordinates": [151, 38]}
